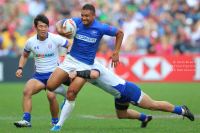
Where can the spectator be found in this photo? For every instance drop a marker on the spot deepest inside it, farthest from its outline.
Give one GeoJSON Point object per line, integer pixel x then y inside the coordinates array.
{"type": "Point", "coordinates": [166, 25]}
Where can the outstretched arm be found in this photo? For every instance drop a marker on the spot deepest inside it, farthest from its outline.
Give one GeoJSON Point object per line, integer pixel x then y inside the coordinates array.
{"type": "Point", "coordinates": [22, 63]}
{"type": "Point", "coordinates": [87, 74]}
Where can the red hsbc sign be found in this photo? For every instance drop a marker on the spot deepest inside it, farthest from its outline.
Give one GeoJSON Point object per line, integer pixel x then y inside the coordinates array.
{"type": "Point", "coordinates": [184, 68]}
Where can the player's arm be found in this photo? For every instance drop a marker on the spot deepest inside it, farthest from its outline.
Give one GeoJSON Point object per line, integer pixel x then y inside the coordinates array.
{"type": "Point", "coordinates": [87, 74]}
{"type": "Point", "coordinates": [119, 37]}
{"type": "Point", "coordinates": [69, 47]}
{"type": "Point", "coordinates": [115, 57]}
{"type": "Point", "coordinates": [22, 63]}
{"type": "Point", "coordinates": [61, 30]}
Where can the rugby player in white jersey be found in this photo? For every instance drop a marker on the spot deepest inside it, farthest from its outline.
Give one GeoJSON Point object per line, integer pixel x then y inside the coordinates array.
{"type": "Point", "coordinates": [44, 47]}
{"type": "Point", "coordinates": [125, 93]}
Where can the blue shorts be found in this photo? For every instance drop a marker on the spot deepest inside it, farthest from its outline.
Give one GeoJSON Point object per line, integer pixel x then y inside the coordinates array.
{"type": "Point", "coordinates": [42, 77]}
{"type": "Point", "coordinates": [131, 94]}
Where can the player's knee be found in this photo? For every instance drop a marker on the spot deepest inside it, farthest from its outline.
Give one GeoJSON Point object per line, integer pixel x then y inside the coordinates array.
{"type": "Point", "coordinates": [71, 95]}
{"type": "Point", "coordinates": [51, 97]}
{"type": "Point", "coordinates": [27, 92]}
{"type": "Point", "coordinates": [122, 116]}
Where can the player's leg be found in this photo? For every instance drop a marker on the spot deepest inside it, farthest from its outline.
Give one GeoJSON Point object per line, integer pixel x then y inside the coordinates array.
{"type": "Point", "coordinates": [56, 79]}
{"type": "Point", "coordinates": [123, 112]}
{"type": "Point", "coordinates": [72, 92]}
{"type": "Point", "coordinates": [148, 103]}
{"type": "Point", "coordinates": [74, 88]}
{"type": "Point", "coordinates": [32, 87]}
{"type": "Point", "coordinates": [54, 107]}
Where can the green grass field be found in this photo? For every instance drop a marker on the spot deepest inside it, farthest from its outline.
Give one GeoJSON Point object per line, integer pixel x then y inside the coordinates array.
{"type": "Point", "coordinates": [94, 110]}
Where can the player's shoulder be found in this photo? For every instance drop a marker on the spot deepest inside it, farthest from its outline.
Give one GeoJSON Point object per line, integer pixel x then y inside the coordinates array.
{"type": "Point", "coordinates": [31, 39]}
{"type": "Point", "coordinates": [77, 20]}
{"type": "Point", "coordinates": [98, 23]}
{"type": "Point", "coordinates": [52, 35]}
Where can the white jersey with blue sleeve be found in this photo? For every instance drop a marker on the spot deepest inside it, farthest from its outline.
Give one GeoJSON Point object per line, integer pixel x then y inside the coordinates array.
{"type": "Point", "coordinates": [108, 81]}
{"type": "Point", "coordinates": [45, 52]}
{"type": "Point", "coordinates": [87, 39]}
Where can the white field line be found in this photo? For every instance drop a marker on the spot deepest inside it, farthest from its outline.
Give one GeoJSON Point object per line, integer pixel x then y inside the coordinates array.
{"type": "Point", "coordinates": [154, 116]}
{"type": "Point", "coordinates": [99, 117]}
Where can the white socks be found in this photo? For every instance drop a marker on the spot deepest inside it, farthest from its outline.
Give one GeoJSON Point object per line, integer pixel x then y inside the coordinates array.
{"type": "Point", "coordinates": [61, 91]}
{"type": "Point", "coordinates": [66, 111]}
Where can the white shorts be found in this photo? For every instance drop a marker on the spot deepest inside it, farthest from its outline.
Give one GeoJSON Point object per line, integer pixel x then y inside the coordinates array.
{"type": "Point", "coordinates": [71, 64]}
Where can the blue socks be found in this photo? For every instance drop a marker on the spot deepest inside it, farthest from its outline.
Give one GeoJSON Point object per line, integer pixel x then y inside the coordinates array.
{"type": "Point", "coordinates": [54, 120]}
{"type": "Point", "coordinates": [143, 117]}
{"type": "Point", "coordinates": [177, 110]}
{"type": "Point", "coordinates": [27, 117]}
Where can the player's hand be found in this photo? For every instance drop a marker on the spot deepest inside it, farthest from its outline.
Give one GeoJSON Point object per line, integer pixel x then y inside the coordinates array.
{"type": "Point", "coordinates": [72, 76]}
{"type": "Point", "coordinates": [115, 60]}
{"type": "Point", "coordinates": [65, 33]}
{"type": "Point", "coordinates": [18, 73]}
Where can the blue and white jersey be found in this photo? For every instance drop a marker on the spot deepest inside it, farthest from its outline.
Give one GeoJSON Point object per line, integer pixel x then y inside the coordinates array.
{"type": "Point", "coordinates": [45, 52]}
{"type": "Point", "coordinates": [108, 81]}
{"type": "Point", "coordinates": [87, 39]}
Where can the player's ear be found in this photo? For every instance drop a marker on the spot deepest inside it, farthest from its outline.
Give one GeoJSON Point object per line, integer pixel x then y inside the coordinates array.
{"type": "Point", "coordinates": [35, 27]}
{"type": "Point", "coordinates": [94, 15]}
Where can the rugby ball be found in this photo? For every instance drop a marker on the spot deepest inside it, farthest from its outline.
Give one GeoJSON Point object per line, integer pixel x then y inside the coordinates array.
{"type": "Point", "coordinates": [70, 26]}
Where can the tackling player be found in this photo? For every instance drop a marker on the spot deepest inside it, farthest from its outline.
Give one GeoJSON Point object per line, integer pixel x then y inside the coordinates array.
{"type": "Point", "coordinates": [44, 47]}
{"type": "Point", "coordinates": [125, 93]}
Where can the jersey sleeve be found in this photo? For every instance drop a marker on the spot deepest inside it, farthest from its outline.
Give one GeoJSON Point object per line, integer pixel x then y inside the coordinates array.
{"type": "Point", "coordinates": [98, 67]}
{"type": "Point", "coordinates": [63, 21]}
{"type": "Point", "coordinates": [60, 41]}
{"type": "Point", "coordinates": [27, 47]}
{"type": "Point", "coordinates": [109, 30]}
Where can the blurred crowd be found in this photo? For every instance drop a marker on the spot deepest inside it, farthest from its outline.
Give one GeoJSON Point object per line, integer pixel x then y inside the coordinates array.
{"type": "Point", "coordinates": [150, 26]}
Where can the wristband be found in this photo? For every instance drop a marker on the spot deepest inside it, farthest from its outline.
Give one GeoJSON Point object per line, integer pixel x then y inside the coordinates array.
{"type": "Point", "coordinates": [68, 52]}
{"type": "Point", "coordinates": [20, 68]}
{"type": "Point", "coordinates": [115, 52]}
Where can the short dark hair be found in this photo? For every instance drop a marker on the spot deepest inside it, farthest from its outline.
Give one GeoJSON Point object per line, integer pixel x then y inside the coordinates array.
{"type": "Point", "coordinates": [89, 7]}
{"type": "Point", "coordinates": [42, 18]}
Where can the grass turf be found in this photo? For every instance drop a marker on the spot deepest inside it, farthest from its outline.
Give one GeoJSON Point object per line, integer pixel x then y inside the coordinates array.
{"type": "Point", "coordinates": [95, 102]}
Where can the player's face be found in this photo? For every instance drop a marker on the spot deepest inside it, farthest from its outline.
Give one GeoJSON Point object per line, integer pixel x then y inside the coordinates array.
{"type": "Point", "coordinates": [87, 17]}
{"type": "Point", "coordinates": [42, 29]}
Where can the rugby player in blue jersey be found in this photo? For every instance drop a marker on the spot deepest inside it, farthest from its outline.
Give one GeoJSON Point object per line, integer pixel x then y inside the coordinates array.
{"type": "Point", "coordinates": [125, 93]}
{"type": "Point", "coordinates": [88, 35]}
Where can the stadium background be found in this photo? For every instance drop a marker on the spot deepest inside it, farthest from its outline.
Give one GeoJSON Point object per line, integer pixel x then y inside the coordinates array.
{"type": "Point", "coordinates": [161, 44]}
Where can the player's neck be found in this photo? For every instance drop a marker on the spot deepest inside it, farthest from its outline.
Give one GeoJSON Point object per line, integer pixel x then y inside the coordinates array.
{"type": "Point", "coordinates": [42, 38]}
{"type": "Point", "coordinates": [90, 24]}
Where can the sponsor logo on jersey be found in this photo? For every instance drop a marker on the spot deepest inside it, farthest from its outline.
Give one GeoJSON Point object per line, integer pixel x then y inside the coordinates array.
{"type": "Point", "coordinates": [85, 38]}
{"type": "Point", "coordinates": [37, 47]}
{"type": "Point", "coordinates": [49, 45]}
{"type": "Point", "coordinates": [111, 28]}
{"type": "Point", "coordinates": [45, 55]}
{"type": "Point", "coordinates": [94, 33]}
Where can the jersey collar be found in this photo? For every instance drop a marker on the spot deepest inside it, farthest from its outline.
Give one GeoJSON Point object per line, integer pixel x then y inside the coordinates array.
{"type": "Point", "coordinates": [46, 36]}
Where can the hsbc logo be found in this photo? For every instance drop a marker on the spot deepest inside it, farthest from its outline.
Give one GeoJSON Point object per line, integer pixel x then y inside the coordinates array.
{"type": "Point", "coordinates": [197, 72]}
{"type": "Point", "coordinates": [151, 68]}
